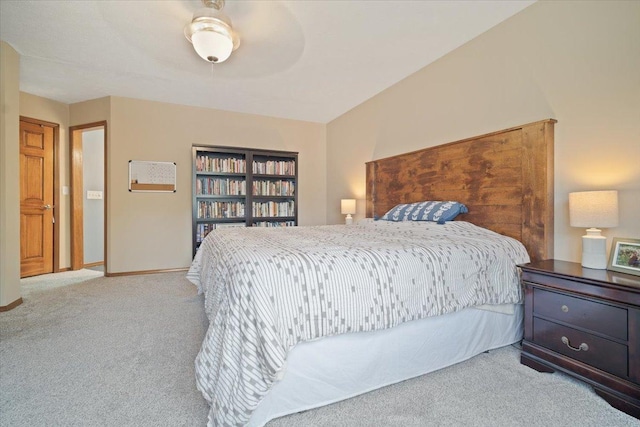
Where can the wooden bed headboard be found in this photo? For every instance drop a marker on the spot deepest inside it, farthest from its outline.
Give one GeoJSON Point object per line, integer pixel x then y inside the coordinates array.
{"type": "Point", "coordinates": [505, 178]}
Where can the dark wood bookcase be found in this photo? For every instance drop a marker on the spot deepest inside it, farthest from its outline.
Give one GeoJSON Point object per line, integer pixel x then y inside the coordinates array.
{"type": "Point", "coordinates": [242, 187]}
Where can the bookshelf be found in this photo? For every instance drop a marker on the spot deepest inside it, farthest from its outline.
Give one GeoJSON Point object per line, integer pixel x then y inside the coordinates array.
{"type": "Point", "coordinates": [241, 187]}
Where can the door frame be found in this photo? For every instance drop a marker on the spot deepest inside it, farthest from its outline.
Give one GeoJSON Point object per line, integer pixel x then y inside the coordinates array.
{"type": "Point", "coordinates": [56, 186]}
{"type": "Point", "coordinates": [76, 181]}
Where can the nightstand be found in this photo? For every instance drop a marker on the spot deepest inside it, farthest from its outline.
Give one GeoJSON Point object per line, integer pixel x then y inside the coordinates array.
{"type": "Point", "coordinates": [585, 323]}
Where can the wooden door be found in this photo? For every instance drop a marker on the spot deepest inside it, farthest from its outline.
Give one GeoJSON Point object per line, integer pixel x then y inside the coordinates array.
{"type": "Point", "coordinates": [36, 198]}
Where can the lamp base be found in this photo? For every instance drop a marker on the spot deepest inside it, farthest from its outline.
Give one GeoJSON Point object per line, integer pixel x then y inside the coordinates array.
{"type": "Point", "coordinates": [348, 220]}
{"type": "Point", "coordinates": [594, 250]}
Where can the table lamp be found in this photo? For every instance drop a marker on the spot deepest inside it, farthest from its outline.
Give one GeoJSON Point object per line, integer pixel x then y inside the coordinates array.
{"type": "Point", "coordinates": [594, 209]}
{"type": "Point", "coordinates": [348, 207]}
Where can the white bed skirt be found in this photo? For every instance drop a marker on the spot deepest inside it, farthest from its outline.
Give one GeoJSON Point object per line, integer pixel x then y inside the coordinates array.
{"type": "Point", "coordinates": [335, 368]}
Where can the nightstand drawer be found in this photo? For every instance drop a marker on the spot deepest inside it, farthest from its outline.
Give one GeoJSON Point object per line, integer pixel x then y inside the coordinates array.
{"type": "Point", "coordinates": [594, 316]}
{"type": "Point", "coordinates": [590, 349]}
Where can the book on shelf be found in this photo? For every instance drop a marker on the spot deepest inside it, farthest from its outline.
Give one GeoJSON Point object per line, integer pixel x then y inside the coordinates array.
{"type": "Point", "coordinates": [274, 224]}
{"type": "Point", "coordinates": [230, 225]}
{"type": "Point", "coordinates": [274, 167]}
{"type": "Point", "coordinates": [202, 230]}
{"type": "Point", "coordinates": [208, 186]}
{"type": "Point", "coordinates": [273, 188]}
{"type": "Point", "coordinates": [211, 209]}
{"type": "Point", "coordinates": [205, 228]}
{"type": "Point", "coordinates": [207, 163]}
{"type": "Point", "coordinates": [273, 209]}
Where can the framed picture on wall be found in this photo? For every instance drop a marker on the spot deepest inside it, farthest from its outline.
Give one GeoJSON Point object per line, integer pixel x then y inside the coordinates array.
{"type": "Point", "coordinates": [152, 176]}
{"type": "Point", "coordinates": [625, 256]}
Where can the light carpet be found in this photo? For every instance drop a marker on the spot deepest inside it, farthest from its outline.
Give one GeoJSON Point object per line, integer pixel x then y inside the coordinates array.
{"type": "Point", "coordinates": [55, 280]}
{"type": "Point", "coordinates": [120, 351]}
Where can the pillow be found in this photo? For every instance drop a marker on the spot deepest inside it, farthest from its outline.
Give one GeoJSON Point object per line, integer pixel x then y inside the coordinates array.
{"type": "Point", "coordinates": [426, 211]}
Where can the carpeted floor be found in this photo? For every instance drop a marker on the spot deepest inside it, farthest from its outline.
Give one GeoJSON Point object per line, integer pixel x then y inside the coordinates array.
{"type": "Point", "coordinates": [55, 280]}
{"type": "Point", "coordinates": [107, 351]}
{"type": "Point", "coordinates": [119, 352]}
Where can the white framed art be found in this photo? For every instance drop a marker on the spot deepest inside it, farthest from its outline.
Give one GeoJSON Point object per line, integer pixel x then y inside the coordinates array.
{"type": "Point", "coordinates": [152, 176]}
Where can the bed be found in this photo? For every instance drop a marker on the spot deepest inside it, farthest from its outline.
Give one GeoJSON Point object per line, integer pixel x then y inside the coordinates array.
{"type": "Point", "coordinates": [306, 316]}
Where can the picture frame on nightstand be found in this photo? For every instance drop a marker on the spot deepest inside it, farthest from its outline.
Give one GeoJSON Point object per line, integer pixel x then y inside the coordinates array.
{"type": "Point", "coordinates": [625, 256]}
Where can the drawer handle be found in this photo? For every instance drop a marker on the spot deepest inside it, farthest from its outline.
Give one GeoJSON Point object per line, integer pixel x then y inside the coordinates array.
{"type": "Point", "coordinates": [565, 309]}
{"type": "Point", "coordinates": [583, 346]}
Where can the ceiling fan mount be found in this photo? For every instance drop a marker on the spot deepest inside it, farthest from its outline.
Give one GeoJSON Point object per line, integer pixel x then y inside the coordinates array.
{"type": "Point", "coordinates": [215, 4]}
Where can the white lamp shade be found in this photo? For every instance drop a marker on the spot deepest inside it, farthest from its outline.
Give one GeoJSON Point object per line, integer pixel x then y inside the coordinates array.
{"type": "Point", "coordinates": [597, 209]}
{"type": "Point", "coordinates": [210, 44]}
{"type": "Point", "coordinates": [348, 206]}
{"type": "Point", "coordinates": [594, 209]}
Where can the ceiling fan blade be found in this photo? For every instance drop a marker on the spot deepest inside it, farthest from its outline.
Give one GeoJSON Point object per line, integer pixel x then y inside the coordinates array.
{"type": "Point", "coordinates": [271, 39]}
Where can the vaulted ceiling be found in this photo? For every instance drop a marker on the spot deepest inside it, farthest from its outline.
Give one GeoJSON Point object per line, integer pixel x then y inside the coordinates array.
{"type": "Point", "coordinates": [306, 59]}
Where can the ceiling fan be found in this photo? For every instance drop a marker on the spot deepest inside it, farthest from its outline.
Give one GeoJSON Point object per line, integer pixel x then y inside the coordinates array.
{"type": "Point", "coordinates": [211, 32]}
{"type": "Point", "coordinates": [272, 37]}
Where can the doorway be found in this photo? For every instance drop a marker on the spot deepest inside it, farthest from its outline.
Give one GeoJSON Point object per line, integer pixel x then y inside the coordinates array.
{"type": "Point", "coordinates": [88, 149]}
{"type": "Point", "coordinates": [39, 184]}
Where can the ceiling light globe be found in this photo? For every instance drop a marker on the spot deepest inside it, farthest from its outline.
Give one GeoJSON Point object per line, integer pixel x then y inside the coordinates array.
{"type": "Point", "coordinates": [212, 46]}
{"type": "Point", "coordinates": [211, 33]}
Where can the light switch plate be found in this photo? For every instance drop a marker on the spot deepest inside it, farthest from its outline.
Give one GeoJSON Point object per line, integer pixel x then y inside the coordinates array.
{"type": "Point", "coordinates": [92, 194]}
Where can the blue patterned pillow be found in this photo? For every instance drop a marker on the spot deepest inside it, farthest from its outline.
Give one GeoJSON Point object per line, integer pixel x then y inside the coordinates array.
{"type": "Point", "coordinates": [426, 211]}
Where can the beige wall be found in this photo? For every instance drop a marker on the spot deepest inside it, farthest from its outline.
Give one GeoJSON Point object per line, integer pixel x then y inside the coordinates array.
{"type": "Point", "coordinates": [9, 175]}
{"type": "Point", "coordinates": [36, 107]}
{"type": "Point", "coordinates": [148, 231]}
{"type": "Point", "coordinates": [95, 110]}
{"type": "Point", "coordinates": [577, 62]}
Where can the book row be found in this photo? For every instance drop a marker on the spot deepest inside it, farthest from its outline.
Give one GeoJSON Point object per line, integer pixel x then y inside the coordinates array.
{"type": "Point", "coordinates": [208, 209]}
{"type": "Point", "coordinates": [215, 209]}
{"type": "Point", "coordinates": [275, 167]}
{"type": "Point", "coordinates": [272, 209]}
{"type": "Point", "coordinates": [273, 188]}
{"type": "Point", "coordinates": [206, 163]}
{"type": "Point", "coordinates": [274, 224]}
{"type": "Point", "coordinates": [220, 187]}
{"type": "Point", "coordinates": [203, 229]}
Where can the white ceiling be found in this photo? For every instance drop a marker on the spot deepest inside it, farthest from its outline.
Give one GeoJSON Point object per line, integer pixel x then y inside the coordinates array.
{"type": "Point", "coordinates": [306, 59]}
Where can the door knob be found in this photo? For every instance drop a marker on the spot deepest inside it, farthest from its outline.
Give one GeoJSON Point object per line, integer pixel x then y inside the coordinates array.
{"type": "Point", "coordinates": [47, 207]}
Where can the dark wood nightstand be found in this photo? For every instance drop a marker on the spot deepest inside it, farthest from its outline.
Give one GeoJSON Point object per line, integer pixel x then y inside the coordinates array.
{"type": "Point", "coordinates": [585, 323]}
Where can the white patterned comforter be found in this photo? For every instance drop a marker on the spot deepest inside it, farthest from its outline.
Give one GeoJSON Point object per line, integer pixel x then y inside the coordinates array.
{"type": "Point", "coordinates": [268, 289]}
